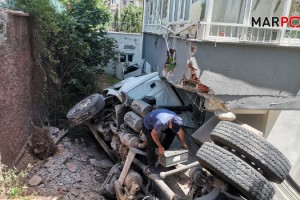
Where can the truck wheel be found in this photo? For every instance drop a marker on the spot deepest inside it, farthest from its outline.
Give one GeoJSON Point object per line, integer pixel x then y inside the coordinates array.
{"type": "Point", "coordinates": [86, 109]}
{"type": "Point", "coordinates": [274, 165]}
{"type": "Point", "coordinates": [235, 171]}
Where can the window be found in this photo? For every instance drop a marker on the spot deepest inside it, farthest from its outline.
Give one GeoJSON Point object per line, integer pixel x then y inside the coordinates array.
{"type": "Point", "coordinates": [154, 11]}
{"type": "Point", "coordinates": [151, 12]}
{"type": "Point", "coordinates": [127, 57]}
{"type": "Point", "coordinates": [130, 57]}
{"type": "Point", "coordinates": [203, 9]}
{"type": "Point", "coordinates": [123, 58]}
{"type": "Point", "coordinates": [152, 85]}
{"type": "Point", "coordinates": [265, 8]}
{"type": "Point", "coordinates": [176, 10]}
{"type": "Point", "coordinates": [182, 3]}
{"type": "Point", "coordinates": [187, 9]}
{"type": "Point", "coordinates": [229, 11]}
{"type": "Point", "coordinates": [164, 10]}
{"type": "Point", "coordinates": [171, 12]}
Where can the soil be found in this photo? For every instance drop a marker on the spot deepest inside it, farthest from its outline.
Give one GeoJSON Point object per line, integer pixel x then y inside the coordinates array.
{"type": "Point", "coordinates": [75, 172]}
{"type": "Point", "coordinates": [76, 168]}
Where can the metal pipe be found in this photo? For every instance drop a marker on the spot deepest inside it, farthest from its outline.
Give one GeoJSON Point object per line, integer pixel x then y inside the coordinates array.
{"type": "Point", "coordinates": [101, 142]}
{"type": "Point", "coordinates": [175, 171]}
{"type": "Point", "coordinates": [157, 180]}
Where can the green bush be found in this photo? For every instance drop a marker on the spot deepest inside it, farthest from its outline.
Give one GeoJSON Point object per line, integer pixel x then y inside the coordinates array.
{"type": "Point", "coordinates": [70, 47]}
{"type": "Point", "coordinates": [131, 20]}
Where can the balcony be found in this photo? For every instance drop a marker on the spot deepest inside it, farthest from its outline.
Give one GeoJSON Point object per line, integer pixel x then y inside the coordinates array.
{"type": "Point", "coordinates": [222, 21]}
{"type": "Point", "coordinates": [227, 32]}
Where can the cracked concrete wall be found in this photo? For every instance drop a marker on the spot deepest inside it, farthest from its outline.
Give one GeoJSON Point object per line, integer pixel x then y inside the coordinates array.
{"type": "Point", "coordinates": [243, 76]}
{"type": "Point", "coordinates": [18, 86]}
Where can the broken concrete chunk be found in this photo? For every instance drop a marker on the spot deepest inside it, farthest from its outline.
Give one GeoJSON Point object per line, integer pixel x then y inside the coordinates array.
{"type": "Point", "coordinates": [225, 115]}
{"type": "Point", "coordinates": [65, 158]}
{"type": "Point", "coordinates": [70, 196]}
{"type": "Point", "coordinates": [95, 163]}
{"type": "Point", "coordinates": [67, 144]}
{"type": "Point", "coordinates": [71, 167]}
{"type": "Point", "coordinates": [83, 157]}
{"type": "Point", "coordinates": [62, 190]}
{"type": "Point", "coordinates": [35, 180]}
{"type": "Point", "coordinates": [74, 191]}
{"type": "Point", "coordinates": [59, 197]}
{"type": "Point", "coordinates": [49, 163]}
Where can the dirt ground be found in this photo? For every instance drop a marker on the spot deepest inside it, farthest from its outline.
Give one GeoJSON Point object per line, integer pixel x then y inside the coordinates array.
{"type": "Point", "coordinates": [77, 168]}
{"type": "Point", "coordinates": [74, 172]}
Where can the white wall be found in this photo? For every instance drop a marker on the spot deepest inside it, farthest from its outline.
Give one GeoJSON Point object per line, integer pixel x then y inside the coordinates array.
{"type": "Point", "coordinates": [128, 43]}
{"type": "Point", "coordinates": [285, 135]}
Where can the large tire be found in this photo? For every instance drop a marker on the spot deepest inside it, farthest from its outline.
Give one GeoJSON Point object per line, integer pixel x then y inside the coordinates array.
{"type": "Point", "coordinates": [86, 109]}
{"type": "Point", "coordinates": [274, 165]}
{"type": "Point", "coordinates": [235, 171]}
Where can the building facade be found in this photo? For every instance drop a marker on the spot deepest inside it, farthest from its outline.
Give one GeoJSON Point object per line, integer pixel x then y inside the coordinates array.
{"type": "Point", "coordinates": [211, 48]}
{"type": "Point", "coordinates": [129, 46]}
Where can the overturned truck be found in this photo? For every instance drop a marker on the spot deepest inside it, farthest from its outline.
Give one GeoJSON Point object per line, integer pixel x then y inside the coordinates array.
{"type": "Point", "coordinates": [226, 158]}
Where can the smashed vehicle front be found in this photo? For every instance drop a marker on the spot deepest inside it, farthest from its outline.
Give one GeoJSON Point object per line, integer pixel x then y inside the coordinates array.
{"type": "Point", "coordinates": [117, 128]}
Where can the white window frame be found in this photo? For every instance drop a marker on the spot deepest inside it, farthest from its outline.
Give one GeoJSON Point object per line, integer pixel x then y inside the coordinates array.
{"type": "Point", "coordinates": [206, 24]}
{"type": "Point", "coordinates": [246, 20]}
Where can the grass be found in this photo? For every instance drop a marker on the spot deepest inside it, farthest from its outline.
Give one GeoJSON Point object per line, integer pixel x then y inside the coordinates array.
{"type": "Point", "coordinates": [112, 79]}
{"type": "Point", "coordinates": [106, 80]}
{"type": "Point", "coordinates": [11, 181]}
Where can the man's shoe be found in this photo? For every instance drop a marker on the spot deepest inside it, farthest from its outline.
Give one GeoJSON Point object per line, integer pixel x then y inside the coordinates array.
{"type": "Point", "coordinates": [149, 170]}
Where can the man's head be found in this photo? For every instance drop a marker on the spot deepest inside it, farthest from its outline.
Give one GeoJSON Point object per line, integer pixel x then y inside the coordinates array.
{"type": "Point", "coordinates": [175, 124]}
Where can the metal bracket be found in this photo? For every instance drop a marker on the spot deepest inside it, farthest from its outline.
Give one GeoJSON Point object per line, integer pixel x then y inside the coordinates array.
{"type": "Point", "coordinates": [129, 159]}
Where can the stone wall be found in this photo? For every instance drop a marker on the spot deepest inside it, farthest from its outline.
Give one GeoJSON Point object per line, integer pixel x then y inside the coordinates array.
{"type": "Point", "coordinates": [18, 85]}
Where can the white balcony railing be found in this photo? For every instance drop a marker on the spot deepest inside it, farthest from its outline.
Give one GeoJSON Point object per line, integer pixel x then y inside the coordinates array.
{"type": "Point", "coordinates": [229, 32]}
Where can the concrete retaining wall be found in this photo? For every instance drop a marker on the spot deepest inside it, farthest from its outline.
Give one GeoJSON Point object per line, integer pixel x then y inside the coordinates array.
{"type": "Point", "coordinates": [18, 85]}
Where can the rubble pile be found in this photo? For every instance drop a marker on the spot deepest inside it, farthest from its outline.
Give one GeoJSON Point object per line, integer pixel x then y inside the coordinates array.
{"type": "Point", "coordinates": [76, 171]}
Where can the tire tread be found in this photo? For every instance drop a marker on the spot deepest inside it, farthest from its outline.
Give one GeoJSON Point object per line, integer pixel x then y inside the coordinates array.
{"type": "Point", "coordinates": [235, 171]}
{"type": "Point", "coordinates": [273, 163]}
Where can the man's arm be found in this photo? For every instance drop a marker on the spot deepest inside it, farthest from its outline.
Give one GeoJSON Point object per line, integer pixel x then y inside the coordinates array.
{"type": "Point", "coordinates": [161, 149]}
{"type": "Point", "coordinates": [182, 138]}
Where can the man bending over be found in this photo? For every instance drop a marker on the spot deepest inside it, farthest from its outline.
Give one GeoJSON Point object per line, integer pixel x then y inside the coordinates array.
{"type": "Point", "coordinates": [166, 121]}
